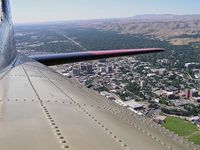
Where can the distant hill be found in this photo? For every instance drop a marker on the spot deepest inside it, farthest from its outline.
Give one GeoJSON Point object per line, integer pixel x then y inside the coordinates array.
{"type": "Point", "coordinates": [164, 17]}
{"type": "Point", "coordinates": [177, 29]}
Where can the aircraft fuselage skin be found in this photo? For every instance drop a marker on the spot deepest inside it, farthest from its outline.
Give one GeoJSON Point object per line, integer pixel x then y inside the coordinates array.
{"type": "Point", "coordinates": [7, 43]}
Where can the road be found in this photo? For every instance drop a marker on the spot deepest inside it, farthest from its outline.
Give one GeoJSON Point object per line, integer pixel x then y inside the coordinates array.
{"type": "Point", "coordinates": [73, 41]}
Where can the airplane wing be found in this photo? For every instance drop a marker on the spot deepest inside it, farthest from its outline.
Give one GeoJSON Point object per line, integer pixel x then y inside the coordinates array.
{"type": "Point", "coordinates": [62, 58]}
{"type": "Point", "coordinates": [43, 110]}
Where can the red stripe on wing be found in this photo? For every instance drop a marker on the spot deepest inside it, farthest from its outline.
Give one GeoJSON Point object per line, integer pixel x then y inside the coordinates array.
{"type": "Point", "coordinates": [107, 52]}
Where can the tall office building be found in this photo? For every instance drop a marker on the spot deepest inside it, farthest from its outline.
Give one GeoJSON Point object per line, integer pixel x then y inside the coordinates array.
{"type": "Point", "coordinates": [89, 69]}
{"type": "Point", "coordinates": [109, 69]}
{"type": "Point", "coordinates": [76, 72]}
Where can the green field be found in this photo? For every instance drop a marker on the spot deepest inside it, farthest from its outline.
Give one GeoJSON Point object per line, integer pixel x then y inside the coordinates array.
{"type": "Point", "coordinates": [195, 139]}
{"type": "Point", "coordinates": [183, 128]}
{"type": "Point", "coordinates": [180, 126]}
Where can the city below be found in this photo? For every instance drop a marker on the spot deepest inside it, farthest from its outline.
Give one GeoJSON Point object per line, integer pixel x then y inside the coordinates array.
{"type": "Point", "coordinates": [164, 87]}
{"type": "Point", "coordinates": [140, 86]}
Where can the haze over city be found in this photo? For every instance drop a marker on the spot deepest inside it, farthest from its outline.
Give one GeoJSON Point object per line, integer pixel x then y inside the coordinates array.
{"type": "Point", "coordinates": [50, 10]}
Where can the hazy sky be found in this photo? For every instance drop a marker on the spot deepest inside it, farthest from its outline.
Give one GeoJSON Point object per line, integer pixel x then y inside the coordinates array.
{"type": "Point", "coordinates": [57, 10]}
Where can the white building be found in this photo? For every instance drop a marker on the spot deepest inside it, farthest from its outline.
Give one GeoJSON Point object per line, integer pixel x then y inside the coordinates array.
{"type": "Point", "coordinates": [133, 104]}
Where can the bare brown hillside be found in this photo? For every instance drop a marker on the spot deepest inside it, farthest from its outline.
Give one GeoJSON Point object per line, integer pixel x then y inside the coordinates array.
{"type": "Point", "coordinates": [178, 30]}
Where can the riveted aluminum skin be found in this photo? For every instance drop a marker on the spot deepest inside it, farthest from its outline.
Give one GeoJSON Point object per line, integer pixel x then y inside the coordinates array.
{"type": "Point", "coordinates": [41, 109]}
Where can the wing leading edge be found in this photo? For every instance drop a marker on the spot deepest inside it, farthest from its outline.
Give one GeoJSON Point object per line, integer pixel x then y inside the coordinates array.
{"type": "Point", "coordinates": [63, 58]}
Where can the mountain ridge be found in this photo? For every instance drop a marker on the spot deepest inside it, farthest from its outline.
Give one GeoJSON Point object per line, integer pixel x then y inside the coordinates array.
{"type": "Point", "coordinates": [176, 29]}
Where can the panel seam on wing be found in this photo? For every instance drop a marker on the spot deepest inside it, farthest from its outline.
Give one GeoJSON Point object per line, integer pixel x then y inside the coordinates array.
{"type": "Point", "coordinates": [56, 129]}
{"type": "Point", "coordinates": [98, 122]}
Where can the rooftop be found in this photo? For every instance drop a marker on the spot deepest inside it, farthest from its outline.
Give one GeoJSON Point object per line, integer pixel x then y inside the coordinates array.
{"type": "Point", "coordinates": [133, 104]}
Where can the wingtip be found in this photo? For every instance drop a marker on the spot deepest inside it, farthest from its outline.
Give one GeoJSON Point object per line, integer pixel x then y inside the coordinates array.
{"type": "Point", "coordinates": [162, 49]}
{"type": "Point", "coordinates": [159, 49]}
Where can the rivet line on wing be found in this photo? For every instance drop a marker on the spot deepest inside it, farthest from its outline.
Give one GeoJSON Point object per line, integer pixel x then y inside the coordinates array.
{"type": "Point", "coordinates": [121, 110]}
{"type": "Point", "coordinates": [98, 122]}
{"type": "Point", "coordinates": [49, 117]}
{"type": "Point", "coordinates": [127, 112]}
{"type": "Point", "coordinates": [54, 126]}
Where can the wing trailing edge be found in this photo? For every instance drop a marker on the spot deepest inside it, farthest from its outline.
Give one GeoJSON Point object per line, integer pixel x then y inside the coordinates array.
{"type": "Point", "coordinates": [64, 58]}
